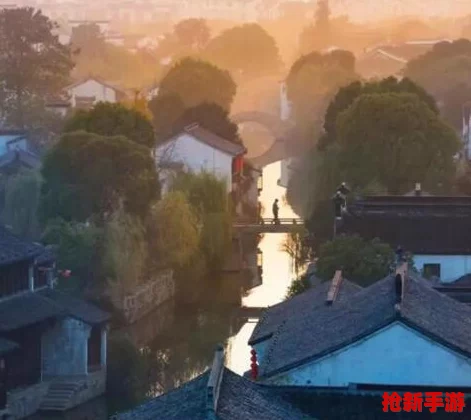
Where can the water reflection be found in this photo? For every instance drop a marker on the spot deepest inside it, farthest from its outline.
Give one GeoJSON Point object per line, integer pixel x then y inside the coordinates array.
{"type": "Point", "coordinates": [180, 340]}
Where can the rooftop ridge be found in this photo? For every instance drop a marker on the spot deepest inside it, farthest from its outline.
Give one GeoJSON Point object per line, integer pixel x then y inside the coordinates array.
{"type": "Point", "coordinates": [334, 287]}
{"type": "Point", "coordinates": [214, 382]}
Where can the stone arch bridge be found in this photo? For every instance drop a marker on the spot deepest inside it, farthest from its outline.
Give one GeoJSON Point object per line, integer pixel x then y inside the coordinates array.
{"type": "Point", "coordinates": [282, 132]}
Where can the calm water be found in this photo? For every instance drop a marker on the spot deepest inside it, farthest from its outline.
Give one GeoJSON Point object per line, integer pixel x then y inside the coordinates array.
{"type": "Point", "coordinates": [187, 346]}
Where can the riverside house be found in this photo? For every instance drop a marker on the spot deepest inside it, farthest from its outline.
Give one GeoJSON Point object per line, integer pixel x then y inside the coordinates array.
{"type": "Point", "coordinates": [52, 346]}
{"type": "Point", "coordinates": [197, 149]}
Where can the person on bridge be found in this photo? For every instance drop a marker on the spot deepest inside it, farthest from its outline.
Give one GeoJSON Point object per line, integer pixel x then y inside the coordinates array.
{"type": "Point", "coordinates": [275, 209]}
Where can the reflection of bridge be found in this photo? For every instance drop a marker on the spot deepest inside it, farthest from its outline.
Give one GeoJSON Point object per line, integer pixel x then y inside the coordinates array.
{"type": "Point", "coordinates": [284, 134]}
{"type": "Point", "coordinates": [267, 226]}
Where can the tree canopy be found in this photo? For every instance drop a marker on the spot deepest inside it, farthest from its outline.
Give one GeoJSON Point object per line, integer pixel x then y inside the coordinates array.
{"type": "Point", "coordinates": [212, 117]}
{"type": "Point", "coordinates": [348, 94]}
{"type": "Point", "coordinates": [396, 139]}
{"type": "Point", "coordinates": [166, 109]}
{"type": "Point", "coordinates": [88, 175]}
{"type": "Point", "coordinates": [197, 81]}
{"type": "Point", "coordinates": [25, 70]}
{"type": "Point", "coordinates": [193, 33]}
{"type": "Point", "coordinates": [246, 50]}
{"type": "Point", "coordinates": [175, 241]}
{"type": "Point", "coordinates": [444, 72]}
{"type": "Point", "coordinates": [312, 81]}
{"type": "Point", "coordinates": [108, 119]}
{"type": "Point", "coordinates": [363, 262]}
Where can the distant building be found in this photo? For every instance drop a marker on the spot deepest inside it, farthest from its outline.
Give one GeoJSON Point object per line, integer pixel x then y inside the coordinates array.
{"type": "Point", "coordinates": [52, 346]}
{"type": "Point", "coordinates": [390, 60]}
{"type": "Point", "coordinates": [87, 92]}
{"type": "Point", "coordinates": [397, 333]}
{"type": "Point", "coordinates": [432, 228]}
{"type": "Point", "coordinates": [16, 152]}
{"type": "Point", "coordinates": [197, 150]}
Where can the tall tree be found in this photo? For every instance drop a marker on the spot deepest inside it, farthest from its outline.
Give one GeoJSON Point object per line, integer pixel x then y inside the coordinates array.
{"type": "Point", "coordinates": [166, 109]}
{"type": "Point", "coordinates": [246, 50]}
{"type": "Point", "coordinates": [197, 81]}
{"type": "Point", "coordinates": [88, 175]}
{"type": "Point", "coordinates": [109, 119]}
{"type": "Point", "coordinates": [193, 33]}
{"type": "Point", "coordinates": [32, 60]}
{"type": "Point", "coordinates": [213, 118]}
{"type": "Point", "coordinates": [444, 72]}
{"type": "Point", "coordinates": [347, 95]}
{"type": "Point", "coordinates": [398, 140]}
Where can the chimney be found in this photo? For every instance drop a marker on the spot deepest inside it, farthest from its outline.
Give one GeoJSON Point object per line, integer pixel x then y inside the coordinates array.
{"type": "Point", "coordinates": [214, 383]}
{"type": "Point", "coordinates": [334, 288]}
{"type": "Point", "coordinates": [418, 189]}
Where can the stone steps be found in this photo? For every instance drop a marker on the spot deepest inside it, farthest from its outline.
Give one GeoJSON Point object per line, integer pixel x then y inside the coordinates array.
{"type": "Point", "coordinates": [58, 396]}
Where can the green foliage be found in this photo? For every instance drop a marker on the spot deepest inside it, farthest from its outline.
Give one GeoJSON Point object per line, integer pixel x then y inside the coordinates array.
{"type": "Point", "coordinates": [21, 203]}
{"type": "Point", "coordinates": [197, 81]}
{"type": "Point", "coordinates": [397, 140]}
{"type": "Point", "coordinates": [212, 117]}
{"type": "Point", "coordinates": [363, 262]}
{"type": "Point", "coordinates": [126, 373]}
{"type": "Point", "coordinates": [312, 81]}
{"type": "Point", "coordinates": [444, 72]}
{"type": "Point", "coordinates": [192, 33]}
{"type": "Point", "coordinates": [87, 175]}
{"type": "Point", "coordinates": [166, 109]}
{"type": "Point", "coordinates": [348, 94]}
{"type": "Point", "coordinates": [208, 197]}
{"type": "Point", "coordinates": [78, 251]}
{"type": "Point", "coordinates": [298, 286]}
{"type": "Point", "coordinates": [246, 50]}
{"type": "Point", "coordinates": [173, 230]}
{"type": "Point", "coordinates": [25, 70]}
{"type": "Point", "coordinates": [108, 119]}
{"type": "Point", "coordinates": [125, 254]}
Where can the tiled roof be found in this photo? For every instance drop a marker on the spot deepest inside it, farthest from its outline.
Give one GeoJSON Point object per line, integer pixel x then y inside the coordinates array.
{"type": "Point", "coordinates": [297, 307]}
{"type": "Point", "coordinates": [77, 308]}
{"type": "Point", "coordinates": [33, 307]}
{"type": "Point", "coordinates": [26, 309]}
{"type": "Point", "coordinates": [14, 249]}
{"type": "Point", "coordinates": [7, 346]}
{"type": "Point", "coordinates": [325, 330]}
{"type": "Point", "coordinates": [21, 156]}
{"type": "Point", "coordinates": [421, 225]}
{"type": "Point", "coordinates": [211, 139]}
{"type": "Point", "coordinates": [239, 399]}
{"type": "Point", "coordinates": [96, 79]}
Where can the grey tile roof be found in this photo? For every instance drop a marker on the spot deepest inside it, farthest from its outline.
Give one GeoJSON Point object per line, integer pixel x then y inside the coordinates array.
{"type": "Point", "coordinates": [211, 139]}
{"type": "Point", "coordinates": [33, 307]}
{"type": "Point", "coordinates": [77, 308]}
{"type": "Point", "coordinates": [7, 346]}
{"type": "Point", "coordinates": [14, 249]}
{"type": "Point", "coordinates": [23, 157]}
{"type": "Point", "coordinates": [239, 399]}
{"type": "Point", "coordinates": [297, 307]}
{"type": "Point", "coordinates": [325, 330]}
{"type": "Point", "coordinates": [26, 309]}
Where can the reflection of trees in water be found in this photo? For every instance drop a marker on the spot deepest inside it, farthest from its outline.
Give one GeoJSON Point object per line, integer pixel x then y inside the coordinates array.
{"type": "Point", "coordinates": [187, 349]}
{"type": "Point", "coordinates": [295, 246]}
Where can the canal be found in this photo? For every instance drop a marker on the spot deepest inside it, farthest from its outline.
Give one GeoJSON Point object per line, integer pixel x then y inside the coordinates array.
{"type": "Point", "coordinates": [186, 347]}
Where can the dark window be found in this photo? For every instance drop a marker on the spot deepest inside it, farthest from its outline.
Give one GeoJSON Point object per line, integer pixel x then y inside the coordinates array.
{"type": "Point", "coordinates": [14, 278]}
{"type": "Point", "coordinates": [40, 277]}
{"type": "Point", "coordinates": [431, 270]}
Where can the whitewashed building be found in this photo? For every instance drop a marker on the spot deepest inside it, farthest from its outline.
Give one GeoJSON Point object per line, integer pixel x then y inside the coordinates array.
{"type": "Point", "coordinates": [397, 332]}
{"type": "Point", "coordinates": [87, 92]}
{"type": "Point", "coordinates": [197, 149]}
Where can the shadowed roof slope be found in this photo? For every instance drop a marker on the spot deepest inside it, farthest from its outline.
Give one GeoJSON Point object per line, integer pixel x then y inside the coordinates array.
{"type": "Point", "coordinates": [297, 306]}
{"type": "Point", "coordinates": [13, 249]}
{"type": "Point", "coordinates": [239, 399]}
{"type": "Point", "coordinates": [326, 330]}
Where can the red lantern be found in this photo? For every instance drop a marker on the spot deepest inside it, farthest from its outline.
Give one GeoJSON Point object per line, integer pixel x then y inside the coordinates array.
{"type": "Point", "coordinates": [254, 365]}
